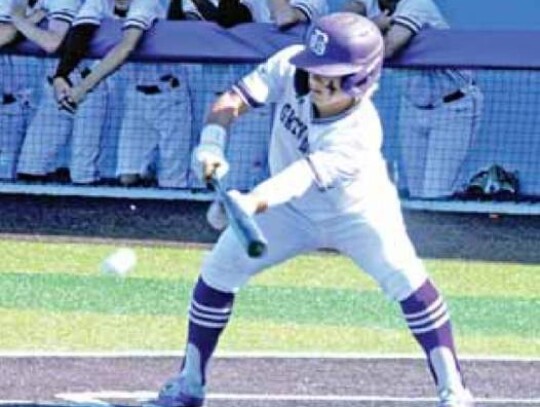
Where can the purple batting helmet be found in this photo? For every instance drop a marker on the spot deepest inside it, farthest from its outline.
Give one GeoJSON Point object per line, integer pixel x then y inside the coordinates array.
{"type": "Point", "coordinates": [347, 45]}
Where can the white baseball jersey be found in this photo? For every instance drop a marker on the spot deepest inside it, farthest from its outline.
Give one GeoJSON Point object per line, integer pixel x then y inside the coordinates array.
{"type": "Point", "coordinates": [261, 11]}
{"type": "Point", "coordinates": [343, 152]}
{"type": "Point", "coordinates": [141, 13]}
{"type": "Point", "coordinates": [63, 10]}
{"type": "Point", "coordinates": [20, 71]}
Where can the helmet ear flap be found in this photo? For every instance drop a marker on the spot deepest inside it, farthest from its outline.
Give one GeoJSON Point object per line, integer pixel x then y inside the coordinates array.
{"type": "Point", "coordinates": [356, 84]}
{"type": "Point", "coordinates": [349, 83]}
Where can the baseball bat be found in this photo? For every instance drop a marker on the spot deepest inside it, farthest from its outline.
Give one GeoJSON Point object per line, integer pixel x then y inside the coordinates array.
{"type": "Point", "coordinates": [243, 224]}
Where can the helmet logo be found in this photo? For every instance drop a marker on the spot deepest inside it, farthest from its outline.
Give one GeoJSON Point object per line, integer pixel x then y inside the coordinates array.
{"type": "Point", "coordinates": [318, 40]}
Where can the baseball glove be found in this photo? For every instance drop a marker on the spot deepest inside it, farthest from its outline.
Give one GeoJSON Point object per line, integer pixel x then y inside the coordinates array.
{"type": "Point", "coordinates": [493, 183]}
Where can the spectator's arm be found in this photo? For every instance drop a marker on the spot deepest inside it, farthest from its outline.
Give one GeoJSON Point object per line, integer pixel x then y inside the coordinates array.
{"type": "Point", "coordinates": [110, 63]}
{"type": "Point", "coordinates": [226, 109]}
{"type": "Point", "coordinates": [396, 39]}
{"type": "Point", "coordinates": [355, 6]}
{"type": "Point", "coordinates": [77, 44]}
{"type": "Point", "coordinates": [48, 39]}
{"type": "Point", "coordinates": [114, 58]}
{"type": "Point", "coordinates": [8, 33]}
{"type": "Point", "coordinates": [37, 16]}
{"type": "Point", "coordinates": [286, 15]}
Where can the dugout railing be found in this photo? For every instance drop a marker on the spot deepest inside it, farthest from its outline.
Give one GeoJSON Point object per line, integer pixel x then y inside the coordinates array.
{"type": "Point", "coordinates": [213, 58]}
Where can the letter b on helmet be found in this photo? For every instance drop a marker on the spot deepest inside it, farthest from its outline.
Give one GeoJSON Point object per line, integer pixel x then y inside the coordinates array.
{"type": "Point", "coordinates": [346, 45]}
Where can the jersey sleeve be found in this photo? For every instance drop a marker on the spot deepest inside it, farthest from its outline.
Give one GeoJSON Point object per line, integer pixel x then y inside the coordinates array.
{"type": "Point", "coordinates": [312, 9]}
{"type": "Point", "coordinates": [5, 11]}
{"type": "Point", "coordinates": [64, 10]}
{"type": "Point", "coordinates": [266, 83]}
{"type": "Point", "coordinates": [416, 15]}
{"type": "Point", "coordinates": [91, 12]}
{"type": "Point", "coordinates": [142, 14]}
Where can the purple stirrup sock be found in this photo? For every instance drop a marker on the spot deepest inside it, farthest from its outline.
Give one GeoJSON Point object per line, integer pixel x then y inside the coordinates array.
{"type": "Point", "coordinates": [428, 319]}
{"type": "Point", "coordinates": [209, 313]}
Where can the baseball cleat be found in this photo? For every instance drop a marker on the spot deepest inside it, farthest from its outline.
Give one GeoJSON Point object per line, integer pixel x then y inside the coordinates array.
{"type": "Point", "coordinates": [453, 398]}
{"type": "Point", "coordinates": [179, 392]}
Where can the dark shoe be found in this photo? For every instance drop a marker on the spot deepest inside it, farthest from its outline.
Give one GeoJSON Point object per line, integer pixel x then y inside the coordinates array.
{"type": "Point", "coordinates": [38, 179]}
{"type": "Point", "coordinates": [179, 392]}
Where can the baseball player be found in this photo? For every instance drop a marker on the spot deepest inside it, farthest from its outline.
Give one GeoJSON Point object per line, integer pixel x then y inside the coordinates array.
{"type": "Point", "coordinates": [155, 134]}
{"type": "Point", "coordinates": [329, 188]}
{"type": "Point", "coordinates": [20, 19]}
{"type": "Point", "coordinates": [51, 127]}
{"type": "Point", "coordinates": [441, 108]}
{"type": "Point", "coordinates": [284, 13]}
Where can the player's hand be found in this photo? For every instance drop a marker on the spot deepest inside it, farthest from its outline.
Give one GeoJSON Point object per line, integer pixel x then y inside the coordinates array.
{"type": "Point", "coordinates": [383, 21]}
{"type": "Point", "coordinates": [37, 16]}
{"type": "Point", "coordinates": [61, 88]}
{"type": "Point", "coordinates": [217, 216]}
{"type": "Point", "coordinates": [285, 17]}
{"type": "Point", "coordinates": [208, 160]}
{"type": "Point", "coordinates": [77, 94]}
{"type": "Point", "coordinates": [18, 9]}
{"type": "Point", "coordinates": [72, 98]}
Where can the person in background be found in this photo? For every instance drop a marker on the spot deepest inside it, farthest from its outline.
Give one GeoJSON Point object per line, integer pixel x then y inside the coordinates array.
{"type": "Point", "coordinates": [227, 13]}
{"type": "Point", "coordinates": [20, 19]}
{"type": "Point", "coordinates": [58, 124]}
{"type": "Point", "coordinates": [441, 108]}
{"type": "Point", "coordinates": [156, 130]}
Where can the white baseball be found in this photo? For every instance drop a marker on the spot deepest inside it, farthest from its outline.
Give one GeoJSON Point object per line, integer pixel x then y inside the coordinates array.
{"type": "Point", "coordinates": [120, 262]}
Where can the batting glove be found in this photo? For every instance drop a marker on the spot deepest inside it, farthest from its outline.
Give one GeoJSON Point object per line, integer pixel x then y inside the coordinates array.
{"type": "Point", "coordinates": [208, 159]}
{"type": "Point", "coordinates": [216, 216]}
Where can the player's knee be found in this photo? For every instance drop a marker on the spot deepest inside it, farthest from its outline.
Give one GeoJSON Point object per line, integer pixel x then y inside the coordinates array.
{"type": "Point", "coordinates": [402, 282]}
{"type": "Point", "coordinates": [222, 276]}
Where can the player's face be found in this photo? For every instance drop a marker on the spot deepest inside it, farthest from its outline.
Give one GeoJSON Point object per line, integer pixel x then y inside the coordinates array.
{"type": "Point", "coordinates": [327, 95]}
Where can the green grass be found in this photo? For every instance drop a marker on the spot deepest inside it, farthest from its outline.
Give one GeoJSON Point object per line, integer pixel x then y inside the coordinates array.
{"type": "Point", "coordinates": [53, 297]}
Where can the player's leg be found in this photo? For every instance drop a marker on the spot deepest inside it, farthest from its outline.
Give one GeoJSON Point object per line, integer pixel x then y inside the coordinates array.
{"type": "Point", "coordinates": [86, 137]}
{"type": "Point", "coordinates": [413, 140]}
{"type": "Point", "coordinates": [224, 273]}
{"type": "Point", "coordinates": [377, 241]}
{"type": "Point", "coordinates": [174, 124]}
{"type": "Point", "coordinates": [47, 133]}
{"type": "Point", "coordinates": [138, 138]}
{"type": "Point", "coordinates": [453, 128]}
{"type": "Point", "coordinates": [11, 135]}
